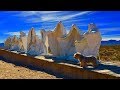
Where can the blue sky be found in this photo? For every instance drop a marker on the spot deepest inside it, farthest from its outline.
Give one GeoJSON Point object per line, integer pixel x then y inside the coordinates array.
{"type": "Point", "coordinates": [11, 22]}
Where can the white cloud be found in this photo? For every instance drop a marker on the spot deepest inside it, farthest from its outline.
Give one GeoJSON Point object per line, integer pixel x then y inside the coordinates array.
{"type": "Point", "coordinates": [46, 12]}
{"type": "Point", "coordinates": [62, 18]}
{"type": "Point", "coordinates": [48, 18]}
{"type": "Point", "coordinates": [13, 33]}
{"type": "Point", "coordinates": [41, 16]}
{"type": "Point", "coordinates": [26, 13]}
{"type": "Point", "coordinates": [25, 31]}
{"type": "Point", "coordinates": [110, 38]}
{"type": "Point", "coordinates": [37, 13]}
{"type": "Point", "coordinates": [107, 30]}
{"type": "Point", "coordinates": [74, 15]}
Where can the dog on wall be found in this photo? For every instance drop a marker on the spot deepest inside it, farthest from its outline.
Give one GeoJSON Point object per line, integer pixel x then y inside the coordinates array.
{"type": "Point", "coordinates": [85, 60]}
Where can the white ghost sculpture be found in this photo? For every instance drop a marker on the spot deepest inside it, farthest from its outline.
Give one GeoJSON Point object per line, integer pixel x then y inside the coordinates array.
{"type": "Point", "coordinates": [67, 46]}
{"type": "Point", "coordinates": [22, 34]}
{"type": "Point", "coordinates": [15, 43]}
{"type": "Point", "coordinates": [23, 42]}
{"type": "Point", "coordinates": [8, 43]}
{"type": "Point", "coordinates": [34, 45]}
{"type": "Point", "coordinates": [90, 43]}
{"type": "Point", "coordinates": [44, 37]}
{"type": "Point", "coordinates": [60, 43]}
{"type": "Point", "coordinates": [53, 39]}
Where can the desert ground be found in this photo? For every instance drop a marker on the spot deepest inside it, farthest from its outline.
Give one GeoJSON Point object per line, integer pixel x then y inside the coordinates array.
{"type": "Point", "coordinates": [12, 71]}
{"type": "Point", "coordinates": [110, 53]}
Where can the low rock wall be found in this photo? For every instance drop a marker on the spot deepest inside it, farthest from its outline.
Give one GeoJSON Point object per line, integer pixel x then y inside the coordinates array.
{"type": "Point", "coordinates": [70, 71]}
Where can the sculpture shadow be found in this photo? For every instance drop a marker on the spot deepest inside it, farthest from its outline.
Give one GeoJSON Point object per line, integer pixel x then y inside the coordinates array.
{"type": "Point", "coordinates": [62, 60]}
{"type": "Point", "coordinates": [30, 55]}
{"type": "Point", "coordinates": [113, 68]}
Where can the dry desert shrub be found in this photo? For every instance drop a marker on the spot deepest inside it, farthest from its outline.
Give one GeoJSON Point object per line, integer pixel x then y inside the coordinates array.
{"type": "Point", "coordinates": [110, 53]}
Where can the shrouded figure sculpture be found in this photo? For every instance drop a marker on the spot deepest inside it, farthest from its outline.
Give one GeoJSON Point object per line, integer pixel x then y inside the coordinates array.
{"type": "Point", "coordinates": [8, 43]}
{"type": "Point", "coordinates": [23, 42]}
{"type": "Point", "coordinates": [90, 43]}
{"type": "Point", "coordinates": [53, 39]}
{"type": "Point", "coordinates": [15, 43]}
{"type": "Point", "coordinates": [34, 45]}
{"type": "Point", "coordinates": [58, 42]}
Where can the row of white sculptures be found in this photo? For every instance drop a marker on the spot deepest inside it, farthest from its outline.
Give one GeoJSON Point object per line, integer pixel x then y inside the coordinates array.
{"type": "Point", "coordinates": [58, 41]}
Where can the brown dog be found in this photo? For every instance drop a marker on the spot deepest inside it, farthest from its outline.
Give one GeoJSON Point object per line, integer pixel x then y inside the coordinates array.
{"type": "Point", "coordinates": [84, 60]}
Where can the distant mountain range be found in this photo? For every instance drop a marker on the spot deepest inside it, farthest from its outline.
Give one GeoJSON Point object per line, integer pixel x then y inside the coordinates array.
{"type": "Point", "coordinates": [103, 43]}
{"type": "Point", "coordinates": [1, 45]}
{"type": "Point", "coordinates": [110, 42]}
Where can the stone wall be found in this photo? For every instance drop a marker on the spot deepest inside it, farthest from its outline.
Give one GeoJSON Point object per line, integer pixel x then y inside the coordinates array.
{"type": "Point", "coordinates": [71, 71]}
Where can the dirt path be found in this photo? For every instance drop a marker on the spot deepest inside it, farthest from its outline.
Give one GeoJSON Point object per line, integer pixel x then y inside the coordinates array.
{"type": "Point", "coordinates": [11, 71]}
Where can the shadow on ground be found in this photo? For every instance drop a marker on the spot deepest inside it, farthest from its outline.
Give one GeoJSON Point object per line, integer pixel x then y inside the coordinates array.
{"type": "Point", "coordinates": [113, 68]}
{"type": "Point", "coordinates": [62, 60]}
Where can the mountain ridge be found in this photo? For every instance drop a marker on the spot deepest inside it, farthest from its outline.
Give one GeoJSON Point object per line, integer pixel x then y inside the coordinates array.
{"type": "Point", "coordinates": [110, 42]}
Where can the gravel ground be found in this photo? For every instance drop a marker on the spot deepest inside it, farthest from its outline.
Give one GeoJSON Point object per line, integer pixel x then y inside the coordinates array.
{"type": "Point", "coordinates": [11, 71]}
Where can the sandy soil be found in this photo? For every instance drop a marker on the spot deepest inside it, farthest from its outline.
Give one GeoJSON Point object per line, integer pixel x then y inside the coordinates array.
{"type": "Point", "coordinates": [11, 71]}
